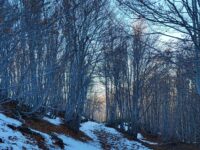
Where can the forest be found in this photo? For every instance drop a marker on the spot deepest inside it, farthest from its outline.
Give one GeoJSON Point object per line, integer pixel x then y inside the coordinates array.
{"type": "Point", "coordinates": [132, 64]}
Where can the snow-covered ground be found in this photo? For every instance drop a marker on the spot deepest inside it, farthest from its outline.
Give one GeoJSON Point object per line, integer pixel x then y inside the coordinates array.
{"type": "Point", "coordinates": [72, 144]}
{"type": "Point", "coordinates": [11, 139]}
{"type": "Point", "coordinates": [112, 137]}
{"type": "Point", "coordinates": [102, 136]}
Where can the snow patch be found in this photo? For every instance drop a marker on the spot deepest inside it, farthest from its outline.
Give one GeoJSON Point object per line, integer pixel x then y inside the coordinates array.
{"type": "Point", "coordinates": [9, 120]}
{"type": "Point", "coordinates": [57, 121]}
{"type": "Point", "coordinates": [126, 127]}
{"type": "Point", "coordinates": [46, 137]}
{"type": "Point", "coordinates": [141, 138]}
{"type": "Point", "coordinates": [72, 144]}
{"type": "Point", "coordinates": [123, 126]}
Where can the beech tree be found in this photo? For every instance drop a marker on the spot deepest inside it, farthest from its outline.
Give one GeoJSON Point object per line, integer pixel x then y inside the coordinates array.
{"type": "Point", "coordinates": [84, 20]}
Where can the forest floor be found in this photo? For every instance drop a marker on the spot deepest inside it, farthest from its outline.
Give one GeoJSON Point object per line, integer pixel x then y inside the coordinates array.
{"type": "Point", "coordinates": [158, 144]}
{"type": "Point", "coordinates": [27, 133]}
{"type": "Point", "coordinates": [51, 134]}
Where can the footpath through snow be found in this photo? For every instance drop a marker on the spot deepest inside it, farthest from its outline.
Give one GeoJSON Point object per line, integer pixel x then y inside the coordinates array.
{"type": "Point", "coordinates": [109, 138]}
{"type": "Point", "coordinates": [103, 138]}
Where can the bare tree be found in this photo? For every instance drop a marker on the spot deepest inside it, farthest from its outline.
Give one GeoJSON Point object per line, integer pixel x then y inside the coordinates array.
{"type": "Point", "coordinates": [182, 16]}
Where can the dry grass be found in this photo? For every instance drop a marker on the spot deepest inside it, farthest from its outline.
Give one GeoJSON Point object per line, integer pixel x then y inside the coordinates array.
{"type": "Point", "coordinates": [42, 126]}
{"type": "Point", "coordinates": [46, 127]}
